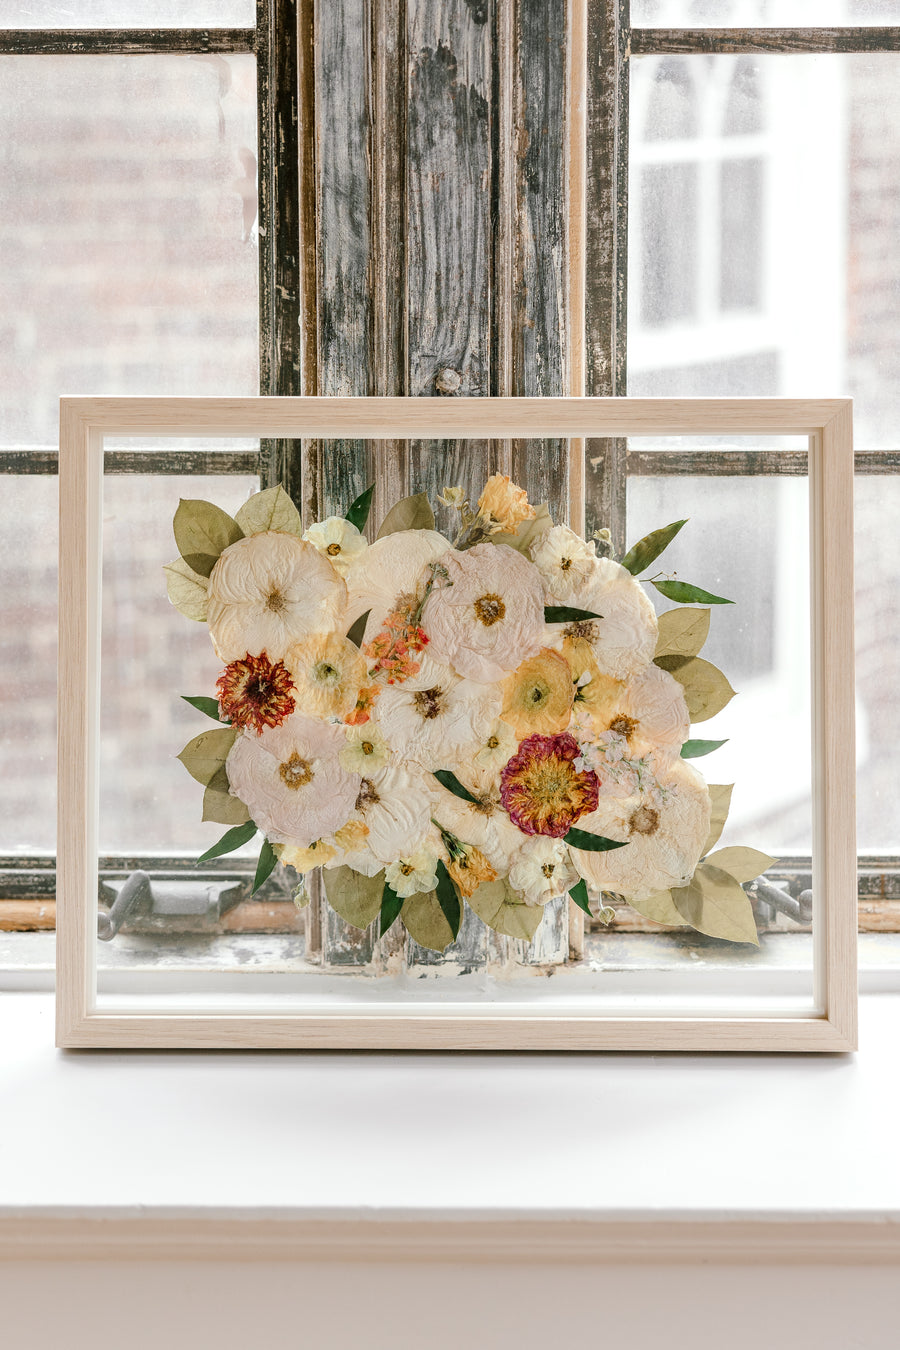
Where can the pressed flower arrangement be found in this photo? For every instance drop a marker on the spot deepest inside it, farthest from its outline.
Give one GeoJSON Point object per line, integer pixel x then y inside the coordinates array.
{"type": "Point", "coordinates": [494, 721]}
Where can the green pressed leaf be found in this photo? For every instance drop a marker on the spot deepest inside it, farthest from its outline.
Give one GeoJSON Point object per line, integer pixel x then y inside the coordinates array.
{"type": "Point", "coordinates": [682, 632]}
{"type": "Point", "coordinates": [452, 784]}
{"type": "Point", "coordinates": [744, 864]}
{"type": "Point", "coordinates": [579, 893]}
{"type": "Point", "coordinates": [391, 905]}
{"type": "Point", "coordinates": [695, 749]}
{"type": "Point", "coordinates": [222, 807]}
{"type": "Point", "coordinates": [646, 550]}
{"type": "Point", "coordinates": [202, 531]}
{"type": "Point", "coordinates": [591, 843]}
{"type": "Point", "coordinates": [355, 897]}
{"type": "Point", "coordinates": [504, 910]}
{"type": "Point", "coordinates": [720, 796]}
{"type": "Point", "coordinates": [715, 904]}
{"type": "Point", "coordinates": [566, 614]}
{"type": "Point", "coordinates": [231, 839]}
{"type": "Point", "coordinates": [425, 922]}
{"type": "Point", "coordinates": [204, 704]}
{"type": "Point", "coordinates": [660, 908]}
{"type": "Point", "coordinates": [528, 532]}
{"type": "Point", "coordinates": [358, 628]}
{"type": "Point", "coordinates": [685, 594]}
{"type": "Point", "coordinates": [359, 511]}
{"type": "Point", "coordinates": [706, 690]}
{"type": "Point", "coordinates": [410, 513]}
{"type": "Point", "coordinates": [447, 898]}
{"type": "Point", "coordinates": [187, 590]}
{"type": "Point", "coordinates": [206, 753]}
{"type": "Point", "coordinates": [267, 860]}
{"type": "Point", "coordinates": [269, 510]}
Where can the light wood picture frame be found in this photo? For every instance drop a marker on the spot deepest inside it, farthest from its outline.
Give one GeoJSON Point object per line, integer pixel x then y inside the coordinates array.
{"type": "Point", "coordinates": [828, 1025]}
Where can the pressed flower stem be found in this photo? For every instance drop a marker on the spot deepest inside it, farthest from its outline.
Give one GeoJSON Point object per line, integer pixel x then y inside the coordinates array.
{"type": "Point", "coordinates": [455, 847]}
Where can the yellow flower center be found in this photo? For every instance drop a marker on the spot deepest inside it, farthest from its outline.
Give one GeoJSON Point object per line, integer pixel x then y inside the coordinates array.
{"type": "Point", "coordinates": [644, 820]}
{"type": "Point", "coordinates": [493, 742]}
{"type": "Point", "coordinates": [406, 868]}
{"type": "Point", "coordinates": [565, 564]}
{"type": "Point", "coordinates": [367, 748]}
{"type": "Point", "coordinates": [489, 609]}
{"type": "Point", "coordinates": [624, 726]}
{"type": "Point", "coordinates": [295, 772]}
{"type": "Point", "coordinates": [333, 550]}
{"type": "Point", "coordinates": [548, 869]}
{"type": "Point", "coordinates": [428, 703]}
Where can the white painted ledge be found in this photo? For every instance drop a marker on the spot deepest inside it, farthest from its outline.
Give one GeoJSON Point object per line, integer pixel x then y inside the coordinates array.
{"type": "Point", "coordinates": [488, 1158]}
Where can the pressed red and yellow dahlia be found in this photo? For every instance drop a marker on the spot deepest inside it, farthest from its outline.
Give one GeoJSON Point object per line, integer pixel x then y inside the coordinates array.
{"type": "Point", "coordinates": [256, 692]}
{"type": "Point", "coordinates": [542, 791]}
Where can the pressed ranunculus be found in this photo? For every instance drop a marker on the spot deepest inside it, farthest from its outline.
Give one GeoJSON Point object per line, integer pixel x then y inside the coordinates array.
{"type": "Point", "coordinates": [485, 614]}
{"type": "Point", "coordinates": [504, 503]}
{"type": "Point", "coordinates": [542, 790]}
{"type": "Point", "coordinates": [291, 781]}
{"type": "Point", "coordinates": [538, 695]}
{"type": "Point", "coordinates": [564, 560]}
{"type": "Point", "coordinates": [665, 830]}
{"type": "Point", "coordinates": [328, 672]}
{"type": "Point", "coordinates": [256, 692]}
{"type": "Point", "coordinates": [623, 640]}
{"type": "Point", "coordinates": [269, 591]}
{"type": "Point", "coordinates": [339, 541]}
{"type": "Point", "coordinates": [541, 870]}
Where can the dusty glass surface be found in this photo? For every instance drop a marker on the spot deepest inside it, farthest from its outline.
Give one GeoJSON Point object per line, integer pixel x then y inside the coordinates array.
{"type": "Point", "coordinates": [128, 14]}
{"type": "Point", "coordinates": [762, 13]}
{"type": "Point", "coordinates": [763, 218]}
{"type": "Point", "coordinates": [128, 258]}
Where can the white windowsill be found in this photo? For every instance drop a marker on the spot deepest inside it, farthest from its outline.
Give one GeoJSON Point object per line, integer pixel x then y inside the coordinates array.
{"type": "Point", "coordinates": [391, 1156]}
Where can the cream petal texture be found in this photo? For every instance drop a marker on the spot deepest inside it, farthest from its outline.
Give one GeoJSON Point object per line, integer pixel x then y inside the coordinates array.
{"type": "Point", "coordinates": [413, 873]}
{"type": "Point", "coordinates": [541, 870]}
{"type": "Point", "coordinates": [624, 639]}
{"type": "Point", "coordinates": [489, 616]}
{"type": "Point", "coordinates": [392, 566]}
{"type": "Point", "coordinates": [485, 825]}
{"type": "Point", "coordinates": [440, 725]}
{"type": "Point", "coordinates": [396, 806]}
{"type": "Point", "coordinates": [291, 781]}
{"type": "Point", "coordinates": [654, 702]}
{"type": "Point", "coordinates": [339, 541]}
{"type": "Point", "coordinates": [564, 560]}
{"type": "Point", "coordinates": [665, 833]}
{"type": "Point", "coordinates": [269, 591]}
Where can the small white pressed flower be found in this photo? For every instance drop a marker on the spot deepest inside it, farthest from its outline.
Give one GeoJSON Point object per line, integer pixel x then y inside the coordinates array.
{"type": "Point", "coordinates": [541, 870]}
{"type": "Point", "coordinates": [339, 541]}
{"type": "Point", "coordinates": [564, 561]}
{"type": "Point", "coordinates": [416, 872]}
{"type": "Point", "coordinates": [496, 748]}
{"type": "Point", "coordinates": [366, 750]}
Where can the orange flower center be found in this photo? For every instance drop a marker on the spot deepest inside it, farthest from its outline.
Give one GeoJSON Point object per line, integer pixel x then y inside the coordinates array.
{"type": "Point", "coordinates": [333, 550]}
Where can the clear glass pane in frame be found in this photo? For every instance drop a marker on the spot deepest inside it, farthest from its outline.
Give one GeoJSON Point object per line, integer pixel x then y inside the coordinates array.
{"type": "Point", "coordinates": [763, 13]}
{"type": "Point", "coordinates": [49, 14]}
{"type": "Point", "coordinates": [129, 259]}
{"type": "Point", "coordinates": [775, 274]}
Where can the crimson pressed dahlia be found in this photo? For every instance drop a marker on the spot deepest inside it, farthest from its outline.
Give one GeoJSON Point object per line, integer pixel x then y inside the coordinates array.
{"type": "Point", "coordinates": [256, 692]}
{"type": "Point", "coordinates": [542, 791]}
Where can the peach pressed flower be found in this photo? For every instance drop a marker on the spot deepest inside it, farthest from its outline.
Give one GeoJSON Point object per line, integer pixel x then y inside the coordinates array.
{"type": "Point", "coordinates": [596, 693]}
{"type": "Point", "coordinates": [328, 672]}
{"type": "Point", "coordinates": [541, 789]}
{"type": "Point", "coordinates": [303, 860]}
{"type": "Point", "coordinates": [256, 692]}
{"type": "Point", "coordinates": [352, 836]}
{"type": "Point", "coordinates": [538, 695]}
{"type": "Point", "coordinates": [470, 869]}
{"type": "Point", "coordinates": [361, 712]}
{"type": "Point", "coordinates": [504, 503]}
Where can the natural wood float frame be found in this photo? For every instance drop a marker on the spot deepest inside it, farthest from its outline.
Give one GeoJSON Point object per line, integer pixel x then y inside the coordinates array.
{"type": "Point", "coordinates": [827, 423]}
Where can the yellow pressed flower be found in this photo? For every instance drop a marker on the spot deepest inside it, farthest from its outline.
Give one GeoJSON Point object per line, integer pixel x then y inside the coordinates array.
{"type": "Point", "coordinates": [599, 694]}
{"type": "Point", "coordinates": [352, 836]}
{"type": "Point", "coordinates": [305, 859]}
{"type": "Point", "coordinates": [538, 695]}
{"type": "Point", "coordinates": [328, 672]}
{"type": "Point", "coordinates": [505, 503]}
{"type": "Point", "coordinates": [470, 870]}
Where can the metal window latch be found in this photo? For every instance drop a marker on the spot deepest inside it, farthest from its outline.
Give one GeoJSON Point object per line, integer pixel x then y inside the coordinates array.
{"type": "Point", "coordinates": [800, 910]}
{"type": "Point", "coordinates": [164, 905]}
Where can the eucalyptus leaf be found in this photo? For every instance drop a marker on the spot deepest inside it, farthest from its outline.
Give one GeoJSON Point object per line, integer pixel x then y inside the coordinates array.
{"type": "Point", "coordinates": [660, 908]}
{"type": "Point", "coordinates": [206, 753]}
{"type": "Point", "coordinates": [591, 843]}
{"type": "Point", "coordinates": [425, 922]}
{"type": "Point", "coordinates": [648, 549]}
{"type": "Point", "coordinates": [447, 898]}
{"type": "Point", "coordinates": [357, 629]}
{"type": "Point", "coordinates": [504, 910]}
{"type": "Point", "coordinates": [720, 796]}
{"type": "Point", "coordinates": [269, 510]}
{"type": "Point", "coordinates": [682, 632]}
{"type": "Point", "coordinates": [202, 531]}
{"type": "Point", "coordinates": [219, 783]}
{"type": "Point", "coordinates": [567, 614]}
{"type": "Point", "coordinates": [706, 689]}
{"type": "Point", "coordinates": [264, 867]}
{"type": "Point", "coordinates": [359, 510]}
{"type": "Point", "coordinates": [450, 781]}
{"type": "Point", "coordinates": [744, 864]}
{"type": "Point", "coordinates": [579, 894]}
{"type": "Point", "coordinates": [529, 531]}
{"type": "Point", "coordinates": [685, 594]}
{"type": "Point", "coordinates": [355, 897]}
{"type": "Point", "coordinates": [410, 513]}
{"type": "Point", "coordinates": [203, 704]}
{"type": "Point", "coordinates": [391, 905]}
{"type": "Point", "coordinates": [222, 807]}
{"type": "Point", "coordinates": [696, 749]}
{"type": "Point", "coordinates": [715, 904]}
{"type": "Point", "coordinates": [231, 839]}
{"type": "Point", "coordinates": [187, 590]}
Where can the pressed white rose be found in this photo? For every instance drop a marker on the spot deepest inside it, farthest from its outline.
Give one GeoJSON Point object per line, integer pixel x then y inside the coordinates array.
{"type": "Point", "coordinates": [413, 873]}
{"type": "Point", "coordinates": [391, 567]}
{"type": "Point", "coordinates": [434, 718]}
{"type": "Point", "coordinates": [665, 832]}
{"type": "Point", "coordinates": [269, 591]}
{"type": "Point", "coordinates": [366, 751]}
{"type": "Point", "coordinates": [291, 780]}
{"type": "Point", "coordinates": [541, 870]}
{"type": "Point", "coordinates": [395, 804]}
{"type": "Point", "coordinates": [623, 641]}
{"type": "Point", "coordinates": [483, 823]}
{"type": "Point", "coordinates": [339, 541]}
{"type": "Point", "coordinates": [487, 614]}
{"type": "Point", "coordinates": [564, 560]}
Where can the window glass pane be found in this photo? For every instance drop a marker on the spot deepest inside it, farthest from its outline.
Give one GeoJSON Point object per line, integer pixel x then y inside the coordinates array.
{"type": "Point", "coordinates": [128, 13]}
{"type": "Point", "coordinates": [789, 246]}
{"type": "Point", "coordinates": [128, 259]}
{"type": "Point", "coordinates": [762, 13]}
